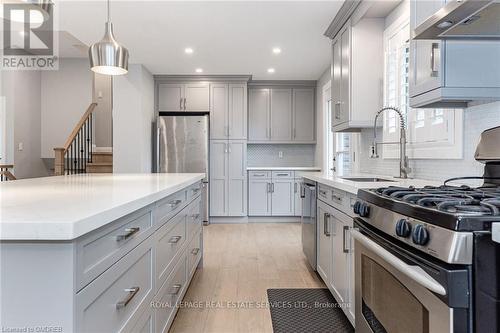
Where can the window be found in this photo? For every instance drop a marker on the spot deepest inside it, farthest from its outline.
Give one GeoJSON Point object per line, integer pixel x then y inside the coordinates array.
{"type": "Point", "coordinates": [431, 133]}
{"type": "Point", "coordinates": [340, 147]}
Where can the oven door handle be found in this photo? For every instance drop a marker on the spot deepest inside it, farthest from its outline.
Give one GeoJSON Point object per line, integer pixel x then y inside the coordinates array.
{"type": "Point", "coordinates": [415, 273]}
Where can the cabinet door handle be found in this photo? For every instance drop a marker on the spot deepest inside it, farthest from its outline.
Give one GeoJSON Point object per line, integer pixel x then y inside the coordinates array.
{"type": "Point", "coordinates": [229, 148]}
{"type": "Point", "coordinates": [268, 187]}
{"type": "Point", "coordinates": [175, 289]}
{"type": "Point", "coordinates": [344, 248]}
{"type": "Point", "coordinates": [174, 203]}
{"type": "Point", "coordinates": [180, 103]}
{"type": "Point", "coordinates": [337, 109]}
{"type": "Point", "coordinates": [174, 239]}
{"type": "Point", "coordinates": [184, 103]}
{"type": "Point", "coordinates": [131, 293]}
{"type": "Point", "coordinates": [128, 233]}
{"type": "Point", "coordinates": [195, 251]}
{"type": "Point", "coordinates": [294, 187]}
{"type": "Point", "coordinates": [326, 217]}
{"type": "Point", "coordinates": [294, 133]}
{"type": "Point", "coordinates": [272, 187]}
{"type": "Point", "coordinates": [195, 216]}
{"type": "Point", "coordinates": [302, 191]}
{"type": "Point", "coordinates": [434, 67]}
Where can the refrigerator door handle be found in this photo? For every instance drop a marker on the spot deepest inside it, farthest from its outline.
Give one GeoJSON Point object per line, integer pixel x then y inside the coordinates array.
{"type": "Point", "coordinates": [158, 136]}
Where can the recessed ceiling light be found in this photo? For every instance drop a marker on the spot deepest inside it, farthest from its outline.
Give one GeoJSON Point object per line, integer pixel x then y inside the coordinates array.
{"type": "Point", "coordinates": [276, 50]}
{"type": "Point", "coordinates": [199, 70]}
{"type": "Point", "coordinates": [270, 70]}
{"type": "Point", "coordinates": [188, 50]}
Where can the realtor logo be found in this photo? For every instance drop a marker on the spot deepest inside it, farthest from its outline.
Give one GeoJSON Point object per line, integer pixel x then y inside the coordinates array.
{"type": "Point", "coordinates": [28, 36]}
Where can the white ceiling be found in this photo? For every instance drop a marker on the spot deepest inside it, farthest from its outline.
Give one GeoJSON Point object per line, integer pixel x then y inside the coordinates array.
{"type": "Point", "coordinates": [231, 37]}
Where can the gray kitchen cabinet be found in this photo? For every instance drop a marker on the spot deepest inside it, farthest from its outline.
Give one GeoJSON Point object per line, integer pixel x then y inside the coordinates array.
{"type": "Point", "coordinates": [258, 114]}
{"type": "Point", "coordinates": [228, 181]}
{"type": "Point", "coordinates": [297, 199]}
{"type": "Point", "coordinates": [191, 97]}
{"type": "Point", "coordinates": [339, 282]}
{"type": "Point", "coordinates": [259, 194]}
{"type": "Point", "coordinates": [303, 115]}
{"type": "Point", "coordinates": [281, 115]}
{"type": "Point", "coordinates": [228, 111]}
{"type": "Point", "coordinates": [282, 197]}
{"type": "Point", "coordinates": [450, 73]}
{"type": "Point", "coordinates": [357, 74]}
{"type": "Point", "coordinates": [324, 243]}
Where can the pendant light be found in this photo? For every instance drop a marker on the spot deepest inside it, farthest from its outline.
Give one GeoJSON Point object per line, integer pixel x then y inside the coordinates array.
{"type": "Point", "coordinates": [107, 56]}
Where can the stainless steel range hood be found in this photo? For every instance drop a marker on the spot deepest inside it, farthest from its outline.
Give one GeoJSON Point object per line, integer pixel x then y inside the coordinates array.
{"type": "Point", "coordinates": [465, 19]}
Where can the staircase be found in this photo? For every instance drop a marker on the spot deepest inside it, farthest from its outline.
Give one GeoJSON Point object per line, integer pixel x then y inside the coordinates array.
{"type": "Point", "coordinates": [79, 154]}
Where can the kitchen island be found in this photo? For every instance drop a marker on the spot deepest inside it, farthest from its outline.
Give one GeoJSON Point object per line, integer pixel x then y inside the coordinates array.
{"type": "Point", "coordinates": [90, 252]}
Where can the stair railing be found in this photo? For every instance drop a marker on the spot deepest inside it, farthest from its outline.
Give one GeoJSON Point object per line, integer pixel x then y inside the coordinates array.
{"type": "Point", "coordinates": [73, 157]}
{"type": "Point", "coordinates": [5, 173]}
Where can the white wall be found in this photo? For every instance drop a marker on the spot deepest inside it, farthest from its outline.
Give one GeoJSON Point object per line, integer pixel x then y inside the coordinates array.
{"type": "Point", "coordinates": [133, 116]}
{"type": "Point", "coordinates": [103, 95]}
{"type": "Point", "coordinates": [22, 94]}
{"type": "Point", "coordinates": [320, 121]}
{"type": "Point", "coordinates": [66, 94]}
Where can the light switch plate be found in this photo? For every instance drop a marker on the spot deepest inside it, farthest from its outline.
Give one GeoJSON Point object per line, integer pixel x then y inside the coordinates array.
{"type": "Point", "coordinates": [20, 146]}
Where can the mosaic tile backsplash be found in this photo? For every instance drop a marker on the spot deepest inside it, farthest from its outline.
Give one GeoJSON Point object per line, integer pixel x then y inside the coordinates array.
{"type": "Point", "coordinates": [476, 119]}
{"type": "Point", "coordinates": [269, 155]}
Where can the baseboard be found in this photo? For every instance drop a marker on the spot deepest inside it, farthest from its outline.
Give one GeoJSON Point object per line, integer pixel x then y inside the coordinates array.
{"type": "Point", "coordinates": [254, 219]}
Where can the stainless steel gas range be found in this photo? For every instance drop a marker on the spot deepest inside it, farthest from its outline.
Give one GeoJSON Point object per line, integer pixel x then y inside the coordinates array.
{"type": "Point", "coordinates": [425, 260]}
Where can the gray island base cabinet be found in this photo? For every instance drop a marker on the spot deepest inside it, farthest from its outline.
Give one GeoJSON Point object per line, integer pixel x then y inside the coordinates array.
{"type": "Point", "coordinates": [126, 276]}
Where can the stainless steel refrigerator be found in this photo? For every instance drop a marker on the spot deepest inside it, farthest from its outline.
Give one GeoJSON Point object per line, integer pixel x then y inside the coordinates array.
{"type": "Point", "coordinates": [182, 145]}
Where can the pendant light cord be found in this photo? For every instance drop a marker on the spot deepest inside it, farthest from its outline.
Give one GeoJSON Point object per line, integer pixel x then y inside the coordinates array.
{"type": "Point", "coordinates": [109, 15]}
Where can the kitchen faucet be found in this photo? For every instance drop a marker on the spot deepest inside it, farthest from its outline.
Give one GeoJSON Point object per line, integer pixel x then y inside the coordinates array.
{"type": "Point", "coordinates": [404, 168]}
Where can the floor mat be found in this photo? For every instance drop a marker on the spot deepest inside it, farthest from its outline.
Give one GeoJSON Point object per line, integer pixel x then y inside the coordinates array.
{"type": "Point", "coordinates": [306, 310]}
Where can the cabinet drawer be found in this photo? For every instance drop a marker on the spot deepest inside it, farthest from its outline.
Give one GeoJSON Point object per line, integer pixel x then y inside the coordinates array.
{"type": "Point", "coordinates": [193, 220]}
{"type": "Point", "coordinates": [283, 174]}
{"type": "Point", "coordinates": [193, 191]}
{"type": "Point", "coordinates": [170, 239]}
{"type": "Point", "coordinates": [168, 295]}
{"type": "Point", "coordinates": [169, 206]}
{"type": "Point", "coordinates": [194, 252]}
{"type": "Point", "coordinates": [117, 297]}
{"type": "Point", "coordinates": [259, 174]}
{"type": "Point", "coordinates": [97, 251]}
{"type": "Point", "coordinates": [324, 193]}
{"type": "Point", "coordinates": [339, 199]}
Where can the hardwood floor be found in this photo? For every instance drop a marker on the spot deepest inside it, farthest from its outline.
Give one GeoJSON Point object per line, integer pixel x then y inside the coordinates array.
{"type": "Point", "coordinates": [241, 261]}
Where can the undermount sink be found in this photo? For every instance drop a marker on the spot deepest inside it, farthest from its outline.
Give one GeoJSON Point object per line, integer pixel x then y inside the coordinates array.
{"type": "Point", "coordinates": [367, 179]}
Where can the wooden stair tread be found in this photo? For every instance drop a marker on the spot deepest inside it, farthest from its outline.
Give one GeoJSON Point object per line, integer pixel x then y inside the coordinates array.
{"type": "Point", "coordinates": [100, 164]}
{"type": "Point", "coordinates": [102, 153]}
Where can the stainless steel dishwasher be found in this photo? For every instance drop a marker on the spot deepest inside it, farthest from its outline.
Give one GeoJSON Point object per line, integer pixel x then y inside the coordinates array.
{"type": "Point", "coordinates": [308, 220]}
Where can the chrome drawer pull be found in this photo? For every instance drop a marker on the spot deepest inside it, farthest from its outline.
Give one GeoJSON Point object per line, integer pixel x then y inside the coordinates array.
{"type": "Point", "coordinates": [195, 251]}
{"type": "Point", "coordinates": [129, 232]}
{"type": "Point", "coordinates": [282, 174]}
{"type": "Point", "coordinates": [196, 190]}
{"type": "Point", "coordinates": [176, 288]}
{"type": "Point", "coordinates": [344, 248]}
{"type": "Point", "coordinates": [323, 193]}
{"type": "Point", "coordinates": [175, 239]}
{"type": "Point", "coordinates": [174, 203]}
{"type": "Point", "coordinates": [326, 231]}
{"type": "Point", "coordinates": [336, 197]}
{"type": "Point", "coordinates": [131, 293]}
{"type": "Point", "coordinates": [195, 216]}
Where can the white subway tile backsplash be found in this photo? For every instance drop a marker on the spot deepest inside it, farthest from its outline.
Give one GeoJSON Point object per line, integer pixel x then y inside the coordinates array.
{"type": "Point", "coordinates": [476, 119]}
{"type": "Point", "coordinates": [270, 155]}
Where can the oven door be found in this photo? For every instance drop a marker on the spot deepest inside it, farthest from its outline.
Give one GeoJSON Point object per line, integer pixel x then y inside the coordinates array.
{"type": "Point", "coordinates": [393, 293]}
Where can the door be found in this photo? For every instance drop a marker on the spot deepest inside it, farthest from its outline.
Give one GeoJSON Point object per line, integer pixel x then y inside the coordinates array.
{"type": "Point", "coordinates": [339, 283]}
{"type": "Point", "coordinates": [282, 197]}
{"type": "Point", "coordinates": [425, 55]}
{"type": "Point", "coordinates": [303, 115]}
{"type": "Point", "coordinates": [197, 97]}
{"type": "Point", "coordinates": [258, 114]}
{"type": "Point", "coordinates": [345, 97]}
{"type": "Point", "coordinates": [219, 127]}
{"type": "Point", "coordinates": [218, 177]}
{"type": "Point", "coordinates": [183, 145]}
{"type": "Point", "coordinates": [259, 197]}
{"type": "Point", "coordinates": [237, 111]}
{"type": "Point", "coordinates": [336, 79]}
{"type": "Point", "coordinates": [324, 243]}
{"type": "Point", "coordinates": [237, 180]}
{"type": "Point", "coordinates": [170, 96]}
{"type": "Point", "coordinates": [297, 206]}
{"type": "Point", "coordinates": [281, 115]}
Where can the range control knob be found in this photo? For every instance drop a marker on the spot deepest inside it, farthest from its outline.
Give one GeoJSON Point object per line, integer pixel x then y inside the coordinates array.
{"type": "Point", "coordinates": [364, 210]}
{"type": "Point", "coordinates": [403, 228]}
{"type": "Point", "coordinates": [420, 235]}
{"type": "Point", "coordinates": [355, 208]}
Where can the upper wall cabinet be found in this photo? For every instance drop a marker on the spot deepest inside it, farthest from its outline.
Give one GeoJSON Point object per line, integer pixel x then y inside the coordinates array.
{"type": "Point", "coordinates": [190, 97]}
{"type": "Point", "coordinates": [228, 111]}
{"type": "Point", "coordinates": [281, 115]}
{"type": "Point", "coordinates": [451, 73]}
{"type": "Point", "coordinates": [357, 72]}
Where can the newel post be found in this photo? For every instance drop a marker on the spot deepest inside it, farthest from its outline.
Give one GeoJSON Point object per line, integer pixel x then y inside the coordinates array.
{"type": "Point", "coordinates": [59, 161]}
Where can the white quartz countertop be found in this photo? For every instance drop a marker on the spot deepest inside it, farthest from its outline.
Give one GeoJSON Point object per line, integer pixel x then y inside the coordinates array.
{"type": "Point", "coordinates": [353, 187]}
{"type": "Point", "coordinates": [67, 207]}
{"type": "Point", "coordinates": [284, 168]}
